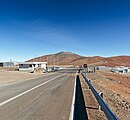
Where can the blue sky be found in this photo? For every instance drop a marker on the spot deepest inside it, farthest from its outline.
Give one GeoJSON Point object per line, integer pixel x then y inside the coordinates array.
{"type": "Point", "coordinates": [31, 28]}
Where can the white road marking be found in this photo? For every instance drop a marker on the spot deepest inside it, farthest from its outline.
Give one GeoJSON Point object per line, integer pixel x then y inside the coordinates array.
{"type": "Point", "coordinates": [71, 117]}
{"type": "Point", "coordinates": [17, 96]}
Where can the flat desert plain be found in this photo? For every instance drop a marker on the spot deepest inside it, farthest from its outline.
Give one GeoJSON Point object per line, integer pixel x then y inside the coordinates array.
{"type": "Point", "coordinates": [7, 77]}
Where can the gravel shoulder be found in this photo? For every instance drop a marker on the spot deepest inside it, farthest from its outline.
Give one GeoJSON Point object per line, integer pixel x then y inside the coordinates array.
{"type": "Point", "coordinates": [116, 91]}
{"type": "Point", "coordinates": [91, 103]}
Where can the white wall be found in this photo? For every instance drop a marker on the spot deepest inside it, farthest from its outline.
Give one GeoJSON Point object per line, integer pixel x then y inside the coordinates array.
{"type": "Point", "coordinates": [26, 67]}
{"type": "Point", "coordinates": [44, 66]}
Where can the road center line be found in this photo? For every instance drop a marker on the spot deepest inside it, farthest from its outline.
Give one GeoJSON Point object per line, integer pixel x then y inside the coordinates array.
{"type": "Point", "coordinates": [21, 94]}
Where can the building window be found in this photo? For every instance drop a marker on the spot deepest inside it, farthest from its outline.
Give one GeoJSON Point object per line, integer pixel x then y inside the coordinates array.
{"type": "Point", "coordinates": [39, 65]}
{"type": "Point", "coordinates": [1, 64]}
{"type": "Point", "coordinates": [30, 65]}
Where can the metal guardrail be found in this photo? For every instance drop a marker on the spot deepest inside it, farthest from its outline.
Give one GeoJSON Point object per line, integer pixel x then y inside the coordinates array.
{"type": "Point", "coordinates": [104, 106]}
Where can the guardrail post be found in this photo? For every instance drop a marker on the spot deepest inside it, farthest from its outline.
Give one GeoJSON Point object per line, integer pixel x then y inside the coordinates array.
{"type": "Point", "coordinates": [101, 94]}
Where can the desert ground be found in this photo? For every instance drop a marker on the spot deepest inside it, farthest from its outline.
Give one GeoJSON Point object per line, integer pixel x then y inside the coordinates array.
{"type": "Point", "coordinates": [116, 93]}
{"type": "Point", "coordinates": [7, 77]}
{"type": "Point", "coordinates": [115, 88]}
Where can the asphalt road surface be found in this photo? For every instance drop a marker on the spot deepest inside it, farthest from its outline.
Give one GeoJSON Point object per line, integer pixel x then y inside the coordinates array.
{"type": "Point", "coordinates": [44, 98]}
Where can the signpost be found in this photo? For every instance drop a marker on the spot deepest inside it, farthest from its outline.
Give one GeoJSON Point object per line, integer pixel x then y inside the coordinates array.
{"type": "Point", "coordinates": [85, 65]}
{"type": "Point", "coordinates": [85, 68]}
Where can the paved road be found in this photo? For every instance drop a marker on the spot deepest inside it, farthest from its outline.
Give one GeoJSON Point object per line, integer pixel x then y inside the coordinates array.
{"type": "Point", "coordinates": [44, 98]}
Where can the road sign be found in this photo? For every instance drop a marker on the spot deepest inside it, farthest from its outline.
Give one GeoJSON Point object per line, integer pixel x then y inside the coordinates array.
{"type": "Point", "coordinates": [85, 65]}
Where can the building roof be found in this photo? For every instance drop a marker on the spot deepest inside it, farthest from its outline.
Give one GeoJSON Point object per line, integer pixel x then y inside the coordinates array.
{"type": "Point", "coordinates": [32, 63]}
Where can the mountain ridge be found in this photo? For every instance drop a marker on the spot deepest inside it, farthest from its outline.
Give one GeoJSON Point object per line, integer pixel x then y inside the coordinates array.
{"type": "Point", "coordinates": [69, 58]}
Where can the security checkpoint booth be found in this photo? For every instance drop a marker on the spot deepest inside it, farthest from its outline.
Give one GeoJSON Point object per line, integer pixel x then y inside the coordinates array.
{"type": "Point", "coordinates": [32, 66]}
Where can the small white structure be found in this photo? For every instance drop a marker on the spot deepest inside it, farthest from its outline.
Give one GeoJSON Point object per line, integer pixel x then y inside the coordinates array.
{"type": "Point", "coordinates": [7, 64]}
{"type": "Point", "coordinates": [104, 68]}
{"type": "Point", "coordinates": [120, 69]}
{"type": "Point", "coordinates": [31, 66]}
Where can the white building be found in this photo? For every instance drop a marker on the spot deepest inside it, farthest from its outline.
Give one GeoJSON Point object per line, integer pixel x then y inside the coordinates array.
{"type": "Point", "coordinates": [7, 64]}
{"type": "Point", "coordinates": [120, 69]}
{"type": "Point", "coordinates": [31, 66]}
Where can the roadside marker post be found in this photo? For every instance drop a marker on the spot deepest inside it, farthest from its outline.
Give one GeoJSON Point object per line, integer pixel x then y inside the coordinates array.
{"type": "Point", "coordinates": [94, 69]}
{"type": "Point", "coordinates": [99, 107]}
{"type": "Point", "coordinates": [85, 72]}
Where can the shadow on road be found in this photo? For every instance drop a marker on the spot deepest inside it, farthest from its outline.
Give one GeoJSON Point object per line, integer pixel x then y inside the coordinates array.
{"type": "Point", "coordinates": [80, 109]}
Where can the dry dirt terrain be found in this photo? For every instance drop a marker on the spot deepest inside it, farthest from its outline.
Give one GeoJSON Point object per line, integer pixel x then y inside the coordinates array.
{"type": "Point", "coordinates": [13, 76]}
{"type": "Point", "coordinates": [91, 104]}
{"type": "Point", "coordinates": [116, 92]}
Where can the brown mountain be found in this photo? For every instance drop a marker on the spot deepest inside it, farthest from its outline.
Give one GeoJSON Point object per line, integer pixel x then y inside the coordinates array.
{"type": "Point", "coordinates": [69, 58]}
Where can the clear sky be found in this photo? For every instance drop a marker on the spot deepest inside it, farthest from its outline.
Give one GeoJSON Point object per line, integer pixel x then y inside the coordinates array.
{"type": "Point", "coordinates": [31, 28]}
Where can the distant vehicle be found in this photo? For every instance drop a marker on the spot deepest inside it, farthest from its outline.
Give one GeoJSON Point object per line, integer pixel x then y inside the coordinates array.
{"type": "Point", "coordinates": [52, 69]}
